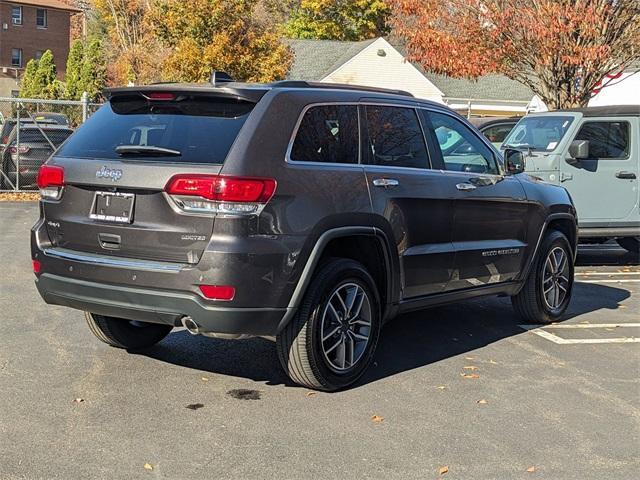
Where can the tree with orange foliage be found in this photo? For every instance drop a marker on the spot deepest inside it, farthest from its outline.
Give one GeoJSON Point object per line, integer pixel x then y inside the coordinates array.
{"type": "Point", "coordinates": [205, 35]}
{"type": "Point", "coordinates": [133, 49]}
{"type": "Point", "coordinates": [560, 49]}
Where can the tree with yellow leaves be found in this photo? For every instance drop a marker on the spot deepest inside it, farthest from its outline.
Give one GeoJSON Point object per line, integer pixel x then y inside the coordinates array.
{"type": "Point", "coordinates": [205, 35]}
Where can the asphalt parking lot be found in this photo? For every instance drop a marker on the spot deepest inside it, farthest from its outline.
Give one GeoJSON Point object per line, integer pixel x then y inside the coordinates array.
{"type": "Point", "coordinates": [456, 392]}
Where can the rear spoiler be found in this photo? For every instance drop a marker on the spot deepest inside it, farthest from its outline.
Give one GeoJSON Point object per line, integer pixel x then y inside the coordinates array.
{"type": "Point", "coordinates": [229, 90]}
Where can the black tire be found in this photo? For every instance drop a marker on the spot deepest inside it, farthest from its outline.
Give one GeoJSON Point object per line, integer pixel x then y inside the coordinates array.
{"type": "Point", "coordinates": [300, 346]}
{"type": "Point", "coordinates": [530, 303]}
{"type": "Point", "coordinates": [631, 244]}
{"type": "Point", "coordinates": [122, 333]}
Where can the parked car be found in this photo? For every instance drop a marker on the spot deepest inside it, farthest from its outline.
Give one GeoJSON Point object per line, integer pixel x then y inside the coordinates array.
{"type": "Point", "coordinates": [49, 118]}
{"type": "Point", "coordinates": [29, 152]}
{"type": "Point", "coordinates": [595, 154]}
{"type": "Point", "coordinates": [308, 212]}
{"type": "Point", "coordinates": [495, 129]}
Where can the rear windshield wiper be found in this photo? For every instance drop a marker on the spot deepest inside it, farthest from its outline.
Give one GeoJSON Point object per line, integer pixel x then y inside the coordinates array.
{"type": "Point", "coordinates": [146, 150]}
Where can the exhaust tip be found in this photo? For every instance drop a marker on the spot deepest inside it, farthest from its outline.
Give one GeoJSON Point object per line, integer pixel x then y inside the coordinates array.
{"type": "Point", "coordinates": [190, 325]}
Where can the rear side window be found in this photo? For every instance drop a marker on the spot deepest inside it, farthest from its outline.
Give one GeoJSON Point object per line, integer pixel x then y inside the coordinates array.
{"type": "Point", "coordinates": [606, 139]}
{"type": "Point", "coordinates": [200, 128]}
{"type": "Point", "coordinates": [327, 134]}
{"type": "Point", "coordinates": [395, 137]}
{"type": "Point", "coordinates": [462, 150]}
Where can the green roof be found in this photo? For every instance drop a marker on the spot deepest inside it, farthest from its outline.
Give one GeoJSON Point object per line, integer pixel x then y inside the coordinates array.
{"type": "Point", "coordinates": [315, 59]}
{"type": "Point", "coordinates": [488, 87]}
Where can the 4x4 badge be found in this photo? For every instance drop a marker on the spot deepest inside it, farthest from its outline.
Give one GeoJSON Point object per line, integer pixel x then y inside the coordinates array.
{"type": "Point", "coordinates": [113, 174]}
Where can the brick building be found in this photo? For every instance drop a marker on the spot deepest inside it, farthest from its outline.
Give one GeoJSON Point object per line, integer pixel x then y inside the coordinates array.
{"type": "Point", "coordinates": [27, 29]}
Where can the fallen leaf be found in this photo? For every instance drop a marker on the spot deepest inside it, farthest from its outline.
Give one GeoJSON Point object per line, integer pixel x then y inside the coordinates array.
{"type": "Point", "coordinates": [195, 406]}
{"type": "Point", "coordinates": [493, 362]}
{"type": "Point", "coordinates": [442, 387]}
{"type": "Point", "coordinates": [78, 400]}
{"type": "Point", "coordinates": [311, 394]}
{"type": "Point", "coordinates": [470, 367]}
{"type": "Point", "coordinates": [205, 379]}
{"type": "Point", "coordinates": [470, 375]}
{"type": "Point", "coordinates": [622, 306]}
{"type": "Point", "coordinates": [482, 401]}
{"type": "Point", "coordinates": [469, 358]}
{"type": "Point", "coordinates": [147, 466]}
{"type": "Point", "coordinates": [377, 419]}
{"type": "Point", "coordinates": [443, 470]}
{"type": "Point", "coordinates": [531, 469]}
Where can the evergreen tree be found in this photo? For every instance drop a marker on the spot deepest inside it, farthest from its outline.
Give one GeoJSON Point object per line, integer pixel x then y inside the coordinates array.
{"type": "Point", "coordinates": [75, 64]}
{"type": "Point", "coordinates": [93, 75]}
{"type": "Point", "coordinates": [41, 83]}
{"type": "Point", "coordinates": [27, 84]}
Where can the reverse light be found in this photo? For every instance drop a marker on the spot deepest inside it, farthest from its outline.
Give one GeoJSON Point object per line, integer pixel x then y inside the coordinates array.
{"type": "Point", "coordinates": [223, 293]}
{"type": "Point", "coordinates": [221, 194]}
{"type": "Point", "coordinates": [50, 182]}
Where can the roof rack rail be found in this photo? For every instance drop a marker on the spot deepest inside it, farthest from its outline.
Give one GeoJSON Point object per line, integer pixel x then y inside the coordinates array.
{"type": "Point", "coordinates": [340, 86]}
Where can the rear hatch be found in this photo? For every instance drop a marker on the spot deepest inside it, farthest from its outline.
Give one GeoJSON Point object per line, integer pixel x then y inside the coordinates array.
{"type": "Point", "coordinates": [117, 165]}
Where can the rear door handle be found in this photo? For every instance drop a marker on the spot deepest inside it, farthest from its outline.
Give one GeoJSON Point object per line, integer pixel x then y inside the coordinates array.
{"type": "Point", "coordinates": [626, 175]}
{"type": "Point", "coordinates": [465, 186]}
{"type": "Point", "coordinates": [386, 182]}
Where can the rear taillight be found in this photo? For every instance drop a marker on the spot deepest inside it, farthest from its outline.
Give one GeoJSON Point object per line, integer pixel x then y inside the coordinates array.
{"type": "Point", "coordinates": [221, 194]}
{"type": "Point", "coordinates": [50, 182]}
{"type": "Point", "coordinates": [21, 150]}
{"type": "Point", "coordinates": [37, 266]}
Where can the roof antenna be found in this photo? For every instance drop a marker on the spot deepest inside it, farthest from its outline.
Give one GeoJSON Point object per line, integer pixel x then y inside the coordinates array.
{"type": "Point", "coordinates": [219, 78]}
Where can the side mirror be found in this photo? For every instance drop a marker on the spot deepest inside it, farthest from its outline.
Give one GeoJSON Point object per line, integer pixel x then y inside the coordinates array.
{"type": "Point", "coordinates": [514, 161]}
{"type": "Point", "coordinates": [578, 150]}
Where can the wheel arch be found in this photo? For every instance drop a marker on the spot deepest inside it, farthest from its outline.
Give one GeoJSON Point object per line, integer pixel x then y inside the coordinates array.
{"type": "Point", "coordinates": [357, 243]}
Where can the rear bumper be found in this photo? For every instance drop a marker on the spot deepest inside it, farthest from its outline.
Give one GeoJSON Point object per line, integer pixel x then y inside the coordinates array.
{"type": "Point", "coordinates": [156, 306]}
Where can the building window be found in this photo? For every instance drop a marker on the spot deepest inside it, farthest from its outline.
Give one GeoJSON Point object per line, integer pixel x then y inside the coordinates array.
{"type": "Point", "coordinates": [41, 18]}
{"type": "Point", "coordinates": [16, 57]}
{"type": "Point", "coordinates": [16, 15]}
{"type": "Point", "coordinates": [38, 55]}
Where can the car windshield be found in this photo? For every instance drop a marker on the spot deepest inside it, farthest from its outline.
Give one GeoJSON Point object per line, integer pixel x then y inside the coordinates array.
{"type": "Point", "coordinates": [540, 133]}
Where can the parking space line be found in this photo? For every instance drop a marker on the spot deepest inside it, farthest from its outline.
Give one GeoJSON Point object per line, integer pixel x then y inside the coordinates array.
{"type": "Point", "coordinates": [635, 280]}
{"type": "Point", "coordinates": [588, 274]}
{"type": "Point", "coordinates": [538, 330]}
{"type": "Point", "coordinates": [593, 325]}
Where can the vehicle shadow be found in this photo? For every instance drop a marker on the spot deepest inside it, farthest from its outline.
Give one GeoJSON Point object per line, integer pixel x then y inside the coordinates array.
{"type": "Point", "coordinates": [605, 254]}
{"type": "Point", "coordinates": [411, 341]}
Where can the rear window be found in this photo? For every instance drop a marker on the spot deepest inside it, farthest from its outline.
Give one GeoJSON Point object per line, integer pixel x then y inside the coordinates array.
{"type": "Point", "coordinates": [201, 129]}
{"type": "Point", "coordinates": [35, 136]}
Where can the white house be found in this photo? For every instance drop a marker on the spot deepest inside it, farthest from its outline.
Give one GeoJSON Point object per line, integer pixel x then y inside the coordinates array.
{"type": "Point", "coordinates": [378, 63]}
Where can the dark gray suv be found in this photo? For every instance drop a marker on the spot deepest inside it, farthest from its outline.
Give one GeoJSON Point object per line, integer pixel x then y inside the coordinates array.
{"type": "Point", "coordinates": [309, 212]}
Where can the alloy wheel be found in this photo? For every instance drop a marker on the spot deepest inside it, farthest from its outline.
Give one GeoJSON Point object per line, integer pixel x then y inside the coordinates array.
{"type": "Point", "coordinates": [346, 327]}
{"type": "Point", "coordinates": [555, 278]}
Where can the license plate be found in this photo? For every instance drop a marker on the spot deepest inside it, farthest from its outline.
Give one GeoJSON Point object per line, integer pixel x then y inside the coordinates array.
{"type": "Point", "coordinates": [113, 207]}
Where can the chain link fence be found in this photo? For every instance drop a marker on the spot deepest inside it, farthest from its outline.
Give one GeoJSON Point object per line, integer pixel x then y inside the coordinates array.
{"type": "Point", "coordinates": [30, 131]}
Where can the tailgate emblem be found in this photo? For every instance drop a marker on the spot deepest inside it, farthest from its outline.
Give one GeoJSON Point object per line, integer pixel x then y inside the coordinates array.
{"type": "Point", "coordinates": [106, 172]}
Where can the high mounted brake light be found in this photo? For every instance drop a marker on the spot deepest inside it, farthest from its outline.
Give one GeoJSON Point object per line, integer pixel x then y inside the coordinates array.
{"type": "Point", "coordinates": [50, 182]}
{"type": "Point", "coordinates": [163, 96]}
{"type": "Point", "coordinates": [221, 194]}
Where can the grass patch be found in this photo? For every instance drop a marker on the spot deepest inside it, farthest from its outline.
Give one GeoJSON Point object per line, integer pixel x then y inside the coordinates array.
{"type": "Point", "coordinates": [19, 197]}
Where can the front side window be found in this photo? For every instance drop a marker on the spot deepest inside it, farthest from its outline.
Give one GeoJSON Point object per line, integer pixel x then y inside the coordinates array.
{"type": "Point", "coordinates": [497, 133]}
{"type": "Point", "coordinates": [606, 139]}
{"type": "Point", "coordinates": [16, 15]}
{"type": "Point", "coordinates": [395, 137]}
{"type": "Point", "coordinates": [327, 134]}
{"type": "Point", "coordinates": [462, 150]}
{"type": "Point", "coordinates": [41, 18]}
{"type": "Point", "coordinates": [542, 134]}
{"type": "Point", "coordinates": [16, 57]}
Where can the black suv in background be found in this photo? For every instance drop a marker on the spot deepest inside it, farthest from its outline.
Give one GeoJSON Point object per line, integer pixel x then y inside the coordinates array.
{"type": "Point", "coordinates": [309, 212]}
